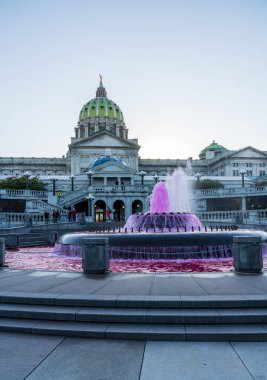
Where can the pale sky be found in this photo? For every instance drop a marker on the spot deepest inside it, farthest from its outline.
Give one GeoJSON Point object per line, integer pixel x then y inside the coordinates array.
{"type": "Point", "coordinates": [184, 73]}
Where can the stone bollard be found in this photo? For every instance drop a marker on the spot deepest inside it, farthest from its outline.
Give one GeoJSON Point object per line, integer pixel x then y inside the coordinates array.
{"type": "Point", "coordinates": [12, 240]}
{"type": "Point", "coordinates": [52, 237]}
{"type": "Point", "coordinates": [2, 251]}
{"type": "Point", "coordinates": [95, 258]}
{"type": "Point", "coordinates": [247, 254]}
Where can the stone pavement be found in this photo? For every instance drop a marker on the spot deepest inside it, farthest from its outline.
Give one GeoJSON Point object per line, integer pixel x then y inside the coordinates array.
{"type": "Point", "coordinates": [38, 357]}
{"type": "Point", "coordinates": [29, 356]}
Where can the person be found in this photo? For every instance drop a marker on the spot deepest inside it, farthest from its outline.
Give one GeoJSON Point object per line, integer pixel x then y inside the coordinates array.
{"type": "Point", "coordinates": [108, 212]}
{"type": "Point", "coordinates": [46, 216]}
{"type": "Point", "coordinates": [58, 216]}
{"type": "Point", "coordinates": [55, 215]}
{"type": "Point", "coordinates": [70, 215]}
{"type": "Point", "coordinates": [74, 213]}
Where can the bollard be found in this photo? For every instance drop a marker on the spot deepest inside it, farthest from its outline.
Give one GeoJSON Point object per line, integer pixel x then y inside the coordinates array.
{"type": "Point", "coordinates": [247, 255]}
{"type": "Point", "coordinates": [95, 258]}
{"type": "Point", "coordinates": [12, 240]}
{"type": "Point", "coordinates": [52, 237]}
{"type": "Point", "coordinates": [2, 251]}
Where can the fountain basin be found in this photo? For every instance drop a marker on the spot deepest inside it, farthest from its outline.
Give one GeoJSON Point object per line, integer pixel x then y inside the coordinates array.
{"type": "Point", "coordinates": [189, 245]}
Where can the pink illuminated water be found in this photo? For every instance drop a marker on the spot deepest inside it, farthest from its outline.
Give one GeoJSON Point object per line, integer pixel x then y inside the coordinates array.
{"type": "Point", "coordinates": [160, 199]}
{"type": "Point", "coordinates": [44, 258]}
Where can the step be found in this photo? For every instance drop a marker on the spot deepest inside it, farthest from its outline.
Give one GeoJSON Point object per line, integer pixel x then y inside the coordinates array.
{"type": "Point", "coordinates": [169, 332]}
{"type": "Point", "coordinates": [131, 301]}
{"type": "Point", "coordinates": [135, 315]}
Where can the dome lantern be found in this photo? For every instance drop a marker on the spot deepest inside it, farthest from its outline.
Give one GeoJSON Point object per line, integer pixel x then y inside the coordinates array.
{"type": "Point", "coordinates": [101, 91]}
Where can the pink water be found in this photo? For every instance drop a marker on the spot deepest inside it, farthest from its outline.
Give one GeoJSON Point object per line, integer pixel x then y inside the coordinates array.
{"type": "Point", "coordinates": [44, 258]}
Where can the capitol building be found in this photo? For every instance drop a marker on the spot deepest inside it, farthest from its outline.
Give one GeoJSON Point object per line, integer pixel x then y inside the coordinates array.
{"type": "Point", "coordinates": [102, 170]}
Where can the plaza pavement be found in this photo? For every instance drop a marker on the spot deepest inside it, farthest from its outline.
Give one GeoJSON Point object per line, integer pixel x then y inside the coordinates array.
{"type": "Point", "coordinates": [29, 356]}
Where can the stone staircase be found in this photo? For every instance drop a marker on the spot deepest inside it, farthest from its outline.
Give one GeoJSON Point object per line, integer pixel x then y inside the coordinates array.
{"type": "Point", "coordinates": [208, 318]}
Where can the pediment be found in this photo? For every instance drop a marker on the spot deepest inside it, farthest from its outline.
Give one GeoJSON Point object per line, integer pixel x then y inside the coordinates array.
{"type": "Point", "coordinates": [114, 168]}
{"type": "Point", "coordinates": [102, 140]}
{"type": "Point", "coordinates": [249, 152]}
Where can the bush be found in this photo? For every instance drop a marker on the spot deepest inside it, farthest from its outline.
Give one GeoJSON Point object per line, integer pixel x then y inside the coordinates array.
{"type": "Point", "coordinates": [20, 183]}
{"type": "Point", "coordinates": [208, 184]}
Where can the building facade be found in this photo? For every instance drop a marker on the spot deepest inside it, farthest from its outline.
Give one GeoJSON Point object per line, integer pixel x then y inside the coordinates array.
{"type": "Point", "coordinates": [102, 173]}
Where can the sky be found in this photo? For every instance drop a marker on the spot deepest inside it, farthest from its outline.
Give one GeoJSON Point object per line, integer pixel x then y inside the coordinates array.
{"type": "Point", "coordinates": [184, 72]}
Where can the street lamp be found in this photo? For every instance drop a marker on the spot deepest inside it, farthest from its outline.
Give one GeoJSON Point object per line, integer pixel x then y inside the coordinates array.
{"type": "Point", "coordinates": [72, 178]}
{"type": "Point", "coordinates": [156, 178]}
{"type": "Point", "coordinates": [53, 179]}
{"type": "Point", "coordinates": [242, 173]}
{"type": "Point", "coordinates": [142, 174]}
{"type": "Point", "coordinates": [198, 176]}
{"type": "Point", "coordinates": [27, 176]}
{"type": "Point", "coordinates": [90, 198]}
{"type": "Point", "coordinates": [89, 175]}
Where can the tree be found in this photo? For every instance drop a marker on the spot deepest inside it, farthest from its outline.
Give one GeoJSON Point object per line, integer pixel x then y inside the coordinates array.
{"type": "Point", "coordinates": [208, 184]}
{"type": "Point", "coordinates": [19, 183]}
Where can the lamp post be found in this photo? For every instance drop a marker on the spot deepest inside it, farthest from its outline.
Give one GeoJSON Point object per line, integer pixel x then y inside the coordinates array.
{"type": "Point", "coordinates": [72, 178]}
{"type": "Point", "coordinates": [198, 176]}
{"type": "Point", "coordinates": [142, 174]}
{"type": "Point", "coordinates": [27, 176]}
{"type": "Point", "coordinates": [90, 198]}
{"type": "Point", "coordinates": [89, 175]}
{"type": "Point", "coordinates": [54, 185]}
{"type": "Point", "coordinates": [156, 178]}
{"type": "Point", "coordinates": [242, 173]}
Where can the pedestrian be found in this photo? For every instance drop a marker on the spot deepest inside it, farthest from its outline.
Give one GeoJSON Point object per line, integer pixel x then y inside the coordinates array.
{"type": "Point", "coordinates": [46, 216]}
{"type": "Point", "coordinates": [73, 216]}
{"type": "Point", "coordinates": [58, 216]}
{"type": "Point", "coordinates": [70, 215]}
{"type": "Point", "coordinates": [108, 213]}
{"type": "Point", "coordinates": [55, 215]}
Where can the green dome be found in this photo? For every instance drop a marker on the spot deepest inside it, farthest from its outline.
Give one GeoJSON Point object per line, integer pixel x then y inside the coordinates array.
{"type": "Point", "coordinates": [101, 107]}
{"type": "Point", "coordinates": [213, 147]}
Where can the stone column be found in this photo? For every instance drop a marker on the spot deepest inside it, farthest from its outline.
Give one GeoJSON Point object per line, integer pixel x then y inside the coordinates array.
{"type": "Point", "coordinates": [95, 258]}
{"type": "Point", "coordinates": [247, 254]}
{"type": "Point", "coordinates": [2, 251]}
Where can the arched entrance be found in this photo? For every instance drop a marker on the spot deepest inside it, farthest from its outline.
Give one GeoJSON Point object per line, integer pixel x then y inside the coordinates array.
{"type": "Point", "coordinates": [137, 206]}
{"type": "Point", "coordinates": [119, 211]}
{"type": "Point", "coordinates": [100, 211]}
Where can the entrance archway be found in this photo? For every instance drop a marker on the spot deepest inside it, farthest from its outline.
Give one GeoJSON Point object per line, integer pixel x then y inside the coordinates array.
{"type": "Point", "coordinates": [119, 211]}
{"type": "Point", "coordinates": [100, 211]}
{"type": "Point", "coordinates": [137, 206]}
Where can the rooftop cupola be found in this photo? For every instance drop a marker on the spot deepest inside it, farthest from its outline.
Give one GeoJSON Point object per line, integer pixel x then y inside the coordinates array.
{"type": "Point", "coordinates": [101, 91]}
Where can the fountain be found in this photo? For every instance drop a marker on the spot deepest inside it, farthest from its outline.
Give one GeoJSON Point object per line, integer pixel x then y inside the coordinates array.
{"type": "Point", "coordinates": [169, 208]}
{"type": "Point", "coordinates": [168, 231]}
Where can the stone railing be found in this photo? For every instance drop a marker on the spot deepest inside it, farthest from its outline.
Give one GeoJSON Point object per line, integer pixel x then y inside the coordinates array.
{"type": "Point", "coordinates": [73, 196]}
{"type": "Point", "coordinates": [248, 216]}
{"type": "Point", "coordinates": [46, 206]}
{"type": "Point", "coordinates": [8, 219]}
{"type": "Point", "coordinates": [6, 193]}
{"type": "Point", "coordinates": [242, 191]}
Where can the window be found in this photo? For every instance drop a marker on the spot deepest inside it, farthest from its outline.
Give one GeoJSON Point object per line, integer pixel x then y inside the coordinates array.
{"type": "Point", "coordinates": [235, 164]}
{"type": "Point", "coordinates": [249, 165]}
{"type": "Point", "coordinates": [249, 173]}
{"type": "Point", "coordinates": [262, 172]}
